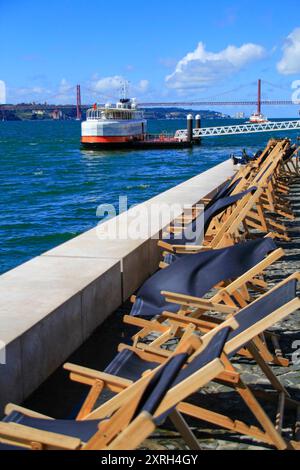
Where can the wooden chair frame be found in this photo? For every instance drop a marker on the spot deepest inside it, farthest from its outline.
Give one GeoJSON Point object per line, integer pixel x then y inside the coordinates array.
{"type": "Point", "coordinates": [255, 219]}
{"type": "Point", "coordinates": [113, 432]}
{"type": "Point", "coordinates": [268, 433]}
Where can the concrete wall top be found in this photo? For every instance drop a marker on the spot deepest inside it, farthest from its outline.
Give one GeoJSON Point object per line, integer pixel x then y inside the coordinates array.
{"type": "Point", "coordinates": [37, 288]}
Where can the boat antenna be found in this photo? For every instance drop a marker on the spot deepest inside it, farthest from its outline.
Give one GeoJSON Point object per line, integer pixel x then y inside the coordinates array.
{"type": "Point", "coordinates": [124, 90]}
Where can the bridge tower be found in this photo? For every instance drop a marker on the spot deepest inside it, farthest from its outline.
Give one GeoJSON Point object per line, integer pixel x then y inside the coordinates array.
{"type": "Point", "coordinates": [78, 106]}
{"type": "Point", "coordinates": [259, 97]}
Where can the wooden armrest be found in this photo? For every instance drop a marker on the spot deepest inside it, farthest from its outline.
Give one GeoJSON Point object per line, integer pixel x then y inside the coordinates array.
{"type": "Point", "coordinates": [141, 323]}
{"type": "Point", "coordinates": [252, 273]}
{"type": "Point", "coordinates": [27, 435]}
{"type": "Point", "coordinates": [89, 376]}
{"type": "Point", "coordinates": [206, 200]}
{"type": "Point", "coordinates": [11, 407]}
{"type": "Point", "coordinates": [146, 352]}
{"type": "Point", "coordinates": [205, 325]}
{"type": "Point", "coordinates": [188, 247]}
{"type": "Point", "coordinates": [163, 265]}
{"type": "Point", "coordinates": [166, 246]}
{"type": "Point", "coordinates": [195, 302]}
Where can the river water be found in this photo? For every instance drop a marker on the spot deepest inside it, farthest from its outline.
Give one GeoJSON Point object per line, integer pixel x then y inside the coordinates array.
{"type": "Point", "coordinates": [50, 187]}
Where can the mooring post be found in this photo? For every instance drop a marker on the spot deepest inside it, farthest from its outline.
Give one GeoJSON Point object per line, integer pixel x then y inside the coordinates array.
{"type": "Point", "coordinates": [197, 140]}
{"type": "Point", "coordinates": [190, 119]}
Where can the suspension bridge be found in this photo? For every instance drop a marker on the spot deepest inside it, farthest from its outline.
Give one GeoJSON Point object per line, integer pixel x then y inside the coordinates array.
{"type": "Point", "coordinates": [199, 132]}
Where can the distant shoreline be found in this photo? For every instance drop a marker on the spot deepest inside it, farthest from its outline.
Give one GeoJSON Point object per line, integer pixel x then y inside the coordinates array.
{"type": "Point", "coordinates": [15, 113]}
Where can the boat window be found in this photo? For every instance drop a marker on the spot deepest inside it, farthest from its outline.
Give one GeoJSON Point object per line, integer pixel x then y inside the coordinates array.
{"type": "Point", "coordinates": [113, 114]}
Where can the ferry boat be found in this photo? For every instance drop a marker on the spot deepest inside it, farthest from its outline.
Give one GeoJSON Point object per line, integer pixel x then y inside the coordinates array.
{"type": "Point", "coordinates": [114, 126]}
{"type": "Point", "coordinates": [258, 118]}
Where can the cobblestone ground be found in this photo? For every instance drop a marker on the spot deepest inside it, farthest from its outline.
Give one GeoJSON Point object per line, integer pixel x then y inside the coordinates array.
{"type": "Point", "coordinates": [221, 399]}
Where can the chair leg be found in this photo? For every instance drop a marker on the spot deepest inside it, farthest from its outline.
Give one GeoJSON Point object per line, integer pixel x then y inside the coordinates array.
{"type": "Point", "coordinates": [266, 369]}
{"type": "Point", "coordinates": [184, 430]}
{"type": "Point", "coordinates": [267, 355]}
{"type": "Point", "coordinates": [245, 393]}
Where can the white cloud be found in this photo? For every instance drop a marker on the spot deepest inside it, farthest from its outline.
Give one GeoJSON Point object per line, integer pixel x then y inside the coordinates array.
{"type": "Point", "coordinates": [200, 68]}
{"type": "Point", "coordinates": [65, 87]}
{"type": "Point", "coordinates": [111, 86]}
{"type": "Point", "coordinates": [290, 62]}
{"type": "Point", "coordinates": [30, 91]}
{"type": "Point", "coordinates": [143, 86]}
{"type": "Point", "coordinates": [107, 84]}
{"type": "Point", "coordinates": [65, 93]}
{"type": "Point", "coordinates": [2, 92]}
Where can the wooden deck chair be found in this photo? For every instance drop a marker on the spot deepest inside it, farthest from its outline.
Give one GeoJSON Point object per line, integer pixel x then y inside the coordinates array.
{"type": "Point", "coordinates": [274, 307]}
{"type": "Point", "coordinates": [246, 220]}
{"type": "Point", "coordinates": [260, 160]}
{"type": "Point", "coordinates": [227, 227]}
{"type": "Point", "coordinates": [273, 199]}
{"type": "Point", "coordinates": [272, 178]}
{"type": "Point", "coordinates": [248, 177]}
{"type": "Point", "coordinates": [199, 274]}
{"type": "Point", "coordinates": [239, 182]}
{"type": "Point", "coordinates": [197, 312]}
{"type": "Point", "coordinates": [270, 201]}
{"type": "Point", "coordinates": [154, 396]}
{"type": "Point", "coordinates": [188, 242]}
{"type": "Point", "coordinates": [290, 164]}
{"type": "Point", "coordinates": [269, 310]}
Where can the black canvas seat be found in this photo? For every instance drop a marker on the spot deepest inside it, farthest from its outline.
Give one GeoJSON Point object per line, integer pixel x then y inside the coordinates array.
{"type": "Point", "coordinates": [195, 231]}
{"type": "Point", "coordinates": [262, 174]}
{"type": "Point", "coordinates": [263, 307]}
{"type": "Point", "coordinates": [10, 448]}
{"type": "Point", "coordinates": [225, 191]}
{"type": "Point", "coordinates": [195, 275]}
{"type": "Point", "coordinates": [83, 430]}
{"type": "Point", "coordinates": [289, 153]}
{"type": "Point", "coordinates": [129, 365]}
{"type": "Point", "coordinates": [167, 376]}
{"type": "Point", "coordinates": [173, 373]}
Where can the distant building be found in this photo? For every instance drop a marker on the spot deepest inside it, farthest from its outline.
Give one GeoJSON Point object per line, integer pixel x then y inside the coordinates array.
{"type": "Point", "coordinates": [38, 112]}
{"type": "Point", "coordinates": [240, 115]}
{"type": "Point", "coordinates": [56, 114]}
{"type": "Point", "coordinates": [2, 92]}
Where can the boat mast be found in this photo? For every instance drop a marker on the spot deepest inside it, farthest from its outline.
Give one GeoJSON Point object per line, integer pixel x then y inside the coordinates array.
{"type": "Point", "coordinates": [124, 90]}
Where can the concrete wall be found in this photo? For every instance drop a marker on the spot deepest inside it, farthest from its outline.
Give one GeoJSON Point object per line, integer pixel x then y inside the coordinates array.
{"type": "Point", "coordinates": [50, 305]}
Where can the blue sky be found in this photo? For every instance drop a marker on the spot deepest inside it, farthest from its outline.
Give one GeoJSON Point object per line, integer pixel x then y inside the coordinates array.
{"type": "Point", "coordinates": [168, 50]}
